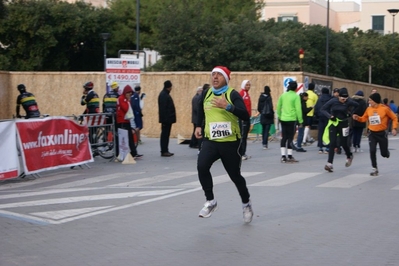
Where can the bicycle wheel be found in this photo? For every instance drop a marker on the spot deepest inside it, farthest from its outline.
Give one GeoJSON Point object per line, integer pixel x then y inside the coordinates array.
{"type": "Point", "coordinates": [102, 146]}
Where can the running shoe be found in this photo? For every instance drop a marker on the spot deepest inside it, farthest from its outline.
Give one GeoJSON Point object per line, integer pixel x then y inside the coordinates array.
{"type": "Point", "coordinates": [245, 157]}
{"type": "Point", "coordinates": [283, 159]}
{"type": "Point", "coordinates": [374, 172]}
{"type": "Point", "coordinates": [291, 160]}
{"type": "Point", "coordinates": [208, 209]}
{"type": "Point", "coordinates": [265, 147]}
{"type": "Point", "coordinates": [328, 167]}
{"type": "Point", "coordinates": [138, 156]}
{"type": "Point", "coordinates": [301, 150]}
{"type": "Point", "coordinates": [247, 212]}
{"type": "Point", "coordinates": [321, 151]}
{"type": "Point", "coordinates": [349, 161]}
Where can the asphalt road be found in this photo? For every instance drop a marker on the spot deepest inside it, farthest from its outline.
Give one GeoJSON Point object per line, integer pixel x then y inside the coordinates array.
{"type": "Point", "coordinates": [147, 213]}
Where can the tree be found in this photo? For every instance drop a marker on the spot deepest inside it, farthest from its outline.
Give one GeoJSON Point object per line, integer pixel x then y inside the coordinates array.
{"type": "Point", "coordinates": [52, 35]}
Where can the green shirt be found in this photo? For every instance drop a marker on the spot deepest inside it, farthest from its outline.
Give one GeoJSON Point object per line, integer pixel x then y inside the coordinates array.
{"type": "Point", "coordinates": [289, 107]}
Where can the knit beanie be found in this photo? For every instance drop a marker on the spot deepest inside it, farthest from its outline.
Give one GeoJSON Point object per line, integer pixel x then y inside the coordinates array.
{"type": "Point", "coordinates": [167, 84]}
{"type": "Point", "coordinates": [224, 71]}
{"type": "Point", "coordinates": [325, 90]}
{"type": "Point", "coordinates": [311, 86]}
{"type": "Point", "coordinates": [292, 86]}
{"type": "Point", "coordinates": [267, 90]}
{"type": "Point", "coordinates": [359, 93]}
{"type": "Point", "coordinates": [376, 97]}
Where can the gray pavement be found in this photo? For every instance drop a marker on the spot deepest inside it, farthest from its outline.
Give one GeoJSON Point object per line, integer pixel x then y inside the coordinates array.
{"type": "Point", "coordinates": [147, 213]}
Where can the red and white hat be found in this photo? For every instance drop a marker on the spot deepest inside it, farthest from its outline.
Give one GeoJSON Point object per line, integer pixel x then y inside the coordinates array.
{"type": "Point", "coordinates": [224, 71]}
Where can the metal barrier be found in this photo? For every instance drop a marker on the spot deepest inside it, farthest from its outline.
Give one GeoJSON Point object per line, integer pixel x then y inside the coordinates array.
{"type": "Point", "coordinates": [102, 130]}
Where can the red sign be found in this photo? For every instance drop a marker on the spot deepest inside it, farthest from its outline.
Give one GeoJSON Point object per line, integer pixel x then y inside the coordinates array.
{"type": "Point", "coordinates": [52, 143]}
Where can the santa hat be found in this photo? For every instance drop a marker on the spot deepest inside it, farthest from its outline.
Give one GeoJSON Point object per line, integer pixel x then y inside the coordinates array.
{"type": "Point", "coordinates": [224, 71]}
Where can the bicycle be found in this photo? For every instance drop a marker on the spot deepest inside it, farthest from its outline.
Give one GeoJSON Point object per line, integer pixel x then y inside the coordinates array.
{"type": "Point", "coordinates": [101, 139]}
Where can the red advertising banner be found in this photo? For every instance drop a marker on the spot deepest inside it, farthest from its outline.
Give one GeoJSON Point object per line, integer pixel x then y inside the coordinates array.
{"type": "Point", "coordinates": [52, 143]}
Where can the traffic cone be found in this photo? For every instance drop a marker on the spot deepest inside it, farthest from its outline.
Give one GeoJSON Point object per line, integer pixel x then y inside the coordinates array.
{"type": "Point", "coordinates": [129, 159]}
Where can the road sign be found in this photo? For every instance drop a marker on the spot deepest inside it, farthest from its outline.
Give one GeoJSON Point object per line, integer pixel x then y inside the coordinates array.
{"type": "Point", "coordinates": [286, 81]}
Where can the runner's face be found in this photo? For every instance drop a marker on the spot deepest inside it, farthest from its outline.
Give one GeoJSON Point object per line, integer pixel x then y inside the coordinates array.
{"type": "Point", "coordinates": [372, 103]}
{"type": "Point", "coordinates": [218, 80]}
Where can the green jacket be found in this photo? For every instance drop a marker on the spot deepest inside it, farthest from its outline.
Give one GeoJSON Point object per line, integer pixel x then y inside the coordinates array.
{"type": "Point", "coordinates": [289, 107]}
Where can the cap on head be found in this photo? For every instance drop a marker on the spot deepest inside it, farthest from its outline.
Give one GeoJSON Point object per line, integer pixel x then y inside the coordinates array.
{"type": "Point", "coordinates": [167, 84]}
{"type": "Point", "coordinates": [88, 85]}
{"type": "Point", "coordinates": [343, 92]}
{"type": "Point", "coordinates": [224, 71]}
{"type": "Point", "coordinates": [21, 87]}
{"type": "Point", "coordinates": [376, 97]}
{"type": "Point", "coordinates": [311, 86]}
{"type": "Point", "coordinates": [114, 85]}
{"type": "Point", "coordinates": [359, 93]}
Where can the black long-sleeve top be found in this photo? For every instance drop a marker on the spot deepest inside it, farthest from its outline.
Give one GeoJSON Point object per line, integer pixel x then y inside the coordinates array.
{"type": "Point", "coordinates": [338, 109]}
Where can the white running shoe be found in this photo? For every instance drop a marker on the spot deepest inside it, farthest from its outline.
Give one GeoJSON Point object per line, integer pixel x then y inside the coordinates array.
{"type": "Point", "coordinates": [208, 209]}
{"type": "Point", "coordinates": [247, 212]}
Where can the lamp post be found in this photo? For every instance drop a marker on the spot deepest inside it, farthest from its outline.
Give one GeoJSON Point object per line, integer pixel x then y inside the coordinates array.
{"type": "Point", "coordinates": [327, 35]}
{"type": "Point", "coordinates": [105, 37]}
{"type": "Point", "coordinates": [393, 12]}
{"type": "Point", "coordinates": [301, 56]}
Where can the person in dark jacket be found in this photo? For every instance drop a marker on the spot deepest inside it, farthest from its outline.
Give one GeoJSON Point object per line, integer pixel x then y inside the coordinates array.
{"type": "Point", "coordinates": [194, 142]}
{"type": "Point", "coordinates": [167, 117]}
{"type": "Point", "coordinates": [358, 127]}
{"type": "Point", "coordinates": [338, 111]}
{"type": "Point", "coordinates": [324, 98]}
{"type": "Point", "coordinates": [265, 108]}
{"type": "Point", "coordinates": [301, 129]}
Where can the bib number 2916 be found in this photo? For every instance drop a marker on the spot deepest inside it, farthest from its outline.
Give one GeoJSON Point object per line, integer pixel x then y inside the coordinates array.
{"type": "Point", "coordinates": [220, 130]}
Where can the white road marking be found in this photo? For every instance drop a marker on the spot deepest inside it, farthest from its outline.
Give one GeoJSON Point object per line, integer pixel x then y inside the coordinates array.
{"type": "Point", "coordinates": [154, 179]}
{"type": "Point", "coordinates": [348, 181]}
{"type": "Point", "coordinates": [40, 180]}
{"type": "Point", "coordinates": [62, 214]}
{"type": "Point", "coordinates": [284, 180]}
{"type": "Point", "coordinates": [46, 192]}
{"type": "Point", "coordinates": [87, 198]}
{"type": "Point", "coordinates": [94, 179]}
{"type": "Point", "coordinates": [220, 179]}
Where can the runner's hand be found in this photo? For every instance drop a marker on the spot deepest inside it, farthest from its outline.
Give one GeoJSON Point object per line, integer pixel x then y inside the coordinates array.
{"type": "Point", "coordinates": [220, 102]}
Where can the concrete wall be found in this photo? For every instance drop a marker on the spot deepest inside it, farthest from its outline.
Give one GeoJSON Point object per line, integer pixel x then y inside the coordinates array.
{"type": "Point", "coordinates": [59, 93]}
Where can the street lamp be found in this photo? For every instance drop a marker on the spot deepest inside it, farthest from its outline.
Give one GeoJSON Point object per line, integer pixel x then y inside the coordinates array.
{"type": "Point", "coordinates": [105, 37]}
{"type": "Point", "coordinates": [393, 12]}
{"type": "Point", "coordinates": [301, 56]}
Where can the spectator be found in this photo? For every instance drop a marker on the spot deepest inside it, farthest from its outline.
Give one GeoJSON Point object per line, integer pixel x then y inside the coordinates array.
{"type": "Point", "coordinates": [137, 102]}
{"type": "Point", "coordinates": [90, 99]}
{"type": "Point", "coordinates": [194, 142]}
{"type": "Point", "coordinates": [110, 100]}
{"type": "Point", "coordinates": [123, 122]}
{"type": "Point", "coordinates": [265, 108]}
{"type": "Point", "coordinates": [358, 127]}
{"type": "Point", "coordinates": [305, 110]}
{"type": "Point", "coordinates": [245, 125]}
{"type": "Point", "coordinates": [28, 102]}
{"type": "Point", "coordinates": [289, 112]}
{"type": "Point", "coordinates": [167, 117]}
{"type": "Point", "coordinates": [322, 120]}
{"type": "Point", "coordinates": [308, 119]}
{"type": "Point", "coordinates": [221, 108]}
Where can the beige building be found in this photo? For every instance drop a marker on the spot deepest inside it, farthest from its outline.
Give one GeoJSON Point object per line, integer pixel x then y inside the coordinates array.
{"type": "Point", "coordinates": [343, 15]}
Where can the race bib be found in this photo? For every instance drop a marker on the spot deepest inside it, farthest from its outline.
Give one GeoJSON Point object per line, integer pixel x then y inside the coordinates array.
{"type": "Point", "coordinates": [345, 131]}
{"type": "Point", "coordinates": [375, 120]}
{"type": "Point", "coordinates": [219, 130]}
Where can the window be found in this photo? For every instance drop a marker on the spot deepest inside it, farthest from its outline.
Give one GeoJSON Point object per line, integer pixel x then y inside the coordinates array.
{"type": "Point", "coordinates": [288, 18]}
{"type": "Point", "coordinates": [378, 24]}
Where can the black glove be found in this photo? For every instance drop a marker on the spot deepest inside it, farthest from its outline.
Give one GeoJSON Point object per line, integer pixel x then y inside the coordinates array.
{"type": "Point", "coordinates": [142, 96]}
{"type": "Point", "coordinates": [333, 118]}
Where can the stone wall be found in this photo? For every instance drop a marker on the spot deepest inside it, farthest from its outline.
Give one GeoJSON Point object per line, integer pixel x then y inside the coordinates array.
{"type": "Point", "coordinates": [59, 93]}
